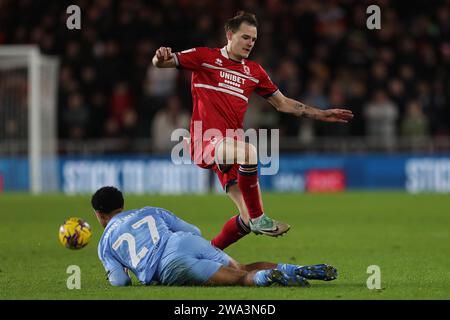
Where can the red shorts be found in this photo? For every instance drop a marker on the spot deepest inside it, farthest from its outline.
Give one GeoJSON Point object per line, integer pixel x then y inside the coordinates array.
{"type": "Point", "coordinates": [205, 159]}
{"type": "Point", "coordinates": [228, 176]}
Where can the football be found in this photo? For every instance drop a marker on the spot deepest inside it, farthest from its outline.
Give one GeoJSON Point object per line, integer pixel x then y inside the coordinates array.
{"type": "Point", "coordinates": [75, 233]}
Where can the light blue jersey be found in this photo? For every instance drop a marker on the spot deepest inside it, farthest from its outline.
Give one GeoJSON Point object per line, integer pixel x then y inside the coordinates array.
{"type": "Point", "coordinates": [136, 240]}
{"type": "Point", "coordinates": [158, 246]}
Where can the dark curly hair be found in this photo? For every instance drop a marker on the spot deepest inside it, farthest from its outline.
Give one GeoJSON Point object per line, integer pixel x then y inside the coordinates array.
{"type": "Point", "coordinates": [107, 199]}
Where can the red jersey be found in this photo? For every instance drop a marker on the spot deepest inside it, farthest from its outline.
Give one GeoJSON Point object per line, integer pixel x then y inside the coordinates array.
{"type": "Point", "coordinates": [221, 87]}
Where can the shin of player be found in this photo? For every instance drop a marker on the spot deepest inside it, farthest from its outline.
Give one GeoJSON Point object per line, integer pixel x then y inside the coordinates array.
{"type": "Point", "coordinates": [246, 194]}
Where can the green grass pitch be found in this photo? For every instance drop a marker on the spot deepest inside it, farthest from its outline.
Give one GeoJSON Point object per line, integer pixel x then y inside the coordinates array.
{"type": "Point", "coordinates": [407, 236]}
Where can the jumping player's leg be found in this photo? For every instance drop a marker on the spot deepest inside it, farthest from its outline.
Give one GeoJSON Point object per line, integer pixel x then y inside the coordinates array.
{"type": "Point", "coordinates": [231, 151]}
{"type": "Point", "coordinates": [237, 226]}
{"type": "Point", "coordinates": [236, 196]}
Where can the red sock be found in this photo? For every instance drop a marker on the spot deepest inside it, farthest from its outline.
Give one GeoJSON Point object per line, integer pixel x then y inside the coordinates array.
{"type": "Point", "coordinates": [232, 231]}
{"type": "Point", "coordinates": [249, 186]}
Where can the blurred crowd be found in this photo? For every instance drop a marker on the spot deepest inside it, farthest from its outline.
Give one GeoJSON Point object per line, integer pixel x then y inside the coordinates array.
{"type": "Point", "coordinates": [396, 79]}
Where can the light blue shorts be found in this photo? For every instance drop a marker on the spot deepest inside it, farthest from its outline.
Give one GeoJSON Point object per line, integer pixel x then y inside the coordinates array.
{"type": "Point", "coordinates": [189, 260]}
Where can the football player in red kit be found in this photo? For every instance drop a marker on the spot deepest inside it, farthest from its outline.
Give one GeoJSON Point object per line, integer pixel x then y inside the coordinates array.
{"type": "Point", "coordinates": [222, 82]}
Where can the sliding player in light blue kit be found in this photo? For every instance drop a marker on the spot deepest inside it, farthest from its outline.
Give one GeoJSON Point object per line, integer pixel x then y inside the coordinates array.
{"type": "Point", "coordinates": [159, 247]}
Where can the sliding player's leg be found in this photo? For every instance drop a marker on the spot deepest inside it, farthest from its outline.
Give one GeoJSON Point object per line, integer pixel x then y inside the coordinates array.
{"type": "Point", "coordinates": [188, 259]}
{"type": "Point", "coordinates": [231, 151]}
{"type": "Point", "coordinates": [322, 271]}
{"type": "Point", "coordinates": [255, 274]}
{"type": "Point", "coordinates": [226, 276]}
{"type": "Point", "coordinates": [290, 279]}
{"type": "Point", "coordinates": [191, 260]}
{"type": "Point", "coordinates": [260, 274]}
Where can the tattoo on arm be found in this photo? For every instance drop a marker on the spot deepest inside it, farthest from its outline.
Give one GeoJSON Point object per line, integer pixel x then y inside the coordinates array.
{"type": "Point", "coordinates": [306, 111]}
{"type": "Point", "coordinates": [300, 107]}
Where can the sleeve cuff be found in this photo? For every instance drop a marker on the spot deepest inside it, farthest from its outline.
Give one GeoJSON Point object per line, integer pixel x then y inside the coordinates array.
{"type": "Point", "coordinates": [177, 62]}
{"type": "Point", "coordinates": [266, 96]}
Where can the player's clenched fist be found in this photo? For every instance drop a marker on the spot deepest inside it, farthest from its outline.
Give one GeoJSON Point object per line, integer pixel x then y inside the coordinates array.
{"type": "Point", "coordinates": [164, 58]}
{"type": "Point", "coordinates": [164, 53]}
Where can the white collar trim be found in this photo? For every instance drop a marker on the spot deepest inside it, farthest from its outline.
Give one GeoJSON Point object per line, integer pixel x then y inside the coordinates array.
{"type": "Point", "coordinates": [224, 53]}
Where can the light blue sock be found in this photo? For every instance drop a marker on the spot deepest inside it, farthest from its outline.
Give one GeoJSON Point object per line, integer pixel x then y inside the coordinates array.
{"type": "Point", "coordinates": [289, 269]}
{"type": "Point", "coordinates": [261, 278]}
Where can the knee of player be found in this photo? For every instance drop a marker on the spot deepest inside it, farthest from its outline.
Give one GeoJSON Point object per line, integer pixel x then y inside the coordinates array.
{"type": "Point", "coordinates": [246, 154]}
{"type": "Point", "coordinates": [251, 154]}
{"type": "Point", "coordinates": [236, 265]}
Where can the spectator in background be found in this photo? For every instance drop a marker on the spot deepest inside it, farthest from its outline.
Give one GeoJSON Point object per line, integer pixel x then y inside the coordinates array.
{"type": "Point", "coordinates": [10, 129]}
{"type": "Point", "coordinates": [111, 129]}
{"type": "Point", "coordinates": [409, 57]}
{"type": "Point", "coordinates": [336, 98]}
{"type": "Point", "coordinates": [13, 112]}
{"type": "Point", "coordinates": [356, 54]}
{"type": "Point", "coordinates": [414, 124]}
{"type": "Point", "coordinates": [314, 96]}
{"type": "Point", "coordinates": [169, 118]}
{"type": "Point", "coordinates": [110, 64]}
{"type": "Point", "coordinates": [98, 114]}
{"type": "Point", "coordinates": [331, 20]}
{"type": "Point", "coordinates": [160, 83]}
{"type": "Point", "coordinates": [262, 115]}
{"type": "Point", "coordinates": [440, 117]}
{"type": "Point", "coordinates": [67, 81]}
{"type": "Point", "coordinates": [158, 86]}
{"type": "Point", "coordinates": [381, 114]}
{"type": "Point", "coordinates": [379, 76]}
{"type": "Point", "coordinates": [287, 77]}
{"type": "Point", "coordinates": [356, 100]}
{"type": "Point", "coordinates": [77, 116]}
{"type": "Point", "coordinates": [72, 55]}
{"type": "Point", "coordinates": [122, 106]}
{"type": "Point", "coordinates": [407, 74]}
{"type": "Point", "coordinates": [396, 90]}
{"type": "Point", "coordinates": [89, 81]}
{"type": "Point", "coordinates": [129, 124]}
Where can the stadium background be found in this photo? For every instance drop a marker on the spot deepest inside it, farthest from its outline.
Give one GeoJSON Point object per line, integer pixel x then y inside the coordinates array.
{"type": "Point", "coordinates": [112, 102]}
{"type": "Point", "coordinates": [115, 114]}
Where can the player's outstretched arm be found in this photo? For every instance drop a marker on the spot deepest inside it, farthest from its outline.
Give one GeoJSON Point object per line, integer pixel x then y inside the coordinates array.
{"type": "Point", "coordinates": [287, 105]}
{"type": "Point", "coordinates": [164, 58]}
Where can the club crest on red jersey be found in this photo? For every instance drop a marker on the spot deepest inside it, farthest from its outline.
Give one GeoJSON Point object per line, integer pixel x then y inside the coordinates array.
{"type": "Point", "coordinates": [246, 70]}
